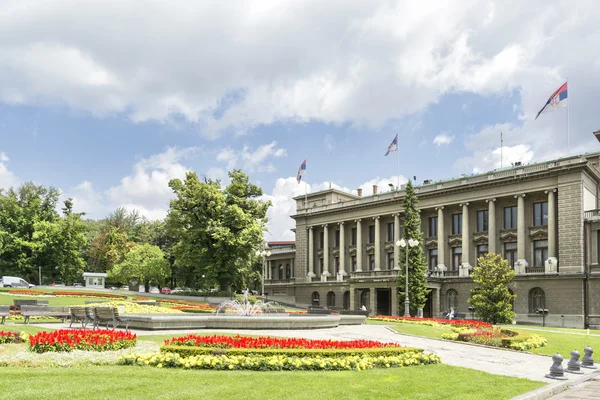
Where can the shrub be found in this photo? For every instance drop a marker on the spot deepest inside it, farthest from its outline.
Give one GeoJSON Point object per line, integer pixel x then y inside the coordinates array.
{"type": "Point", "coordinates": [81, 339]}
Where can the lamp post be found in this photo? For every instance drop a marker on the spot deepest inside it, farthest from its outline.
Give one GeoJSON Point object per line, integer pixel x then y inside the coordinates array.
{"type": "Point", "coordinates": [404, 243]}
{"type": "Point", "coordinates": [264, 254]}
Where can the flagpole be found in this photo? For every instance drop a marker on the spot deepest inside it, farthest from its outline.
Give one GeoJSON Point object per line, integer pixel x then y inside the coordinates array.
{"type": "Point", "coordinates": [568, 119]}
{"type": "Point", "coordinates": [398, 151]}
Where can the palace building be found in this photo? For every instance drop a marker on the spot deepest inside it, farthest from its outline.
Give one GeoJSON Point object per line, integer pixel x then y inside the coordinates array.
{"type": "Point", "coordinates": [542, 218]}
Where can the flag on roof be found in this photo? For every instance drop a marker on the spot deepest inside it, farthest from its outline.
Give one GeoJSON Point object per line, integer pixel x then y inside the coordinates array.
{"type": "Point", "coordinates": [393, 146]}
{"type": "Point", "coordinates": [301, 171]}
{"type": "Point", "coordinates": [558, 99]}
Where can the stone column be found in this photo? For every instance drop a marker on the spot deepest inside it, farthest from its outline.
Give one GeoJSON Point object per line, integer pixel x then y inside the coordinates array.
{"type": "Point", "coordinates": [435, 309]}
{"type": "Point", "coordinates": [352, 305]}
{"type": "Point", "coordinates": [466, 242]}
{"type": "Point", "coordinates": [342, 250]}
{"type": "Point", "coordinates": [326, 251]}
{"type": "Point", "coordinates": [372, 301]}
{"type": "Point", "coordinates": [441, 239]}
{"type": "Point", "coordinates": [396, 248]}
{"type": "Point", "coordinates": [311, 254]}
{"type": "Point", "coordinates": [377, 245]}
{"type": "Point", "coordinates": [358, 245]}
{"type": "Point", "coordinates": [492, 225]}
{"type": "Point", "coordinates": [521, 263]}
{"type": "Point", "coordinates": [552, 262]}
{"type": "Point", "coordinates": [394, 291]}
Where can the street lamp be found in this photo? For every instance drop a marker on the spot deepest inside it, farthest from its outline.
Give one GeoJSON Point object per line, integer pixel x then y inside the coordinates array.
{"type": "Point", "coordinates": [403, 243]}
{"type": "Point", "coordinates": [264, 254]}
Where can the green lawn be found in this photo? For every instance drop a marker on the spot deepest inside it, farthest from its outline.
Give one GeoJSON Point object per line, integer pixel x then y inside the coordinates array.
{"type": "Point", "coordinates": [558, 342]}
{"type": "Point", "coordinates": [20, 327]}
{"type": "Point", "coordinates": [426, 382]}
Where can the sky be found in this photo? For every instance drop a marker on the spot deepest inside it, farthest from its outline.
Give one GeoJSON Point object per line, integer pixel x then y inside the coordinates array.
{"type": "Point", "coordinates": [109, 100]}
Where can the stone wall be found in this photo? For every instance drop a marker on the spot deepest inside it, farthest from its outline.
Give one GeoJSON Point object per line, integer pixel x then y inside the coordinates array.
{"type": "Point", "coordinates": [570, 224]}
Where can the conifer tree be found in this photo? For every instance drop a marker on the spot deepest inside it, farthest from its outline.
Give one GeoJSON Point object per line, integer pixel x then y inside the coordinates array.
{"type": "Point", "coordinates": [417, 267]}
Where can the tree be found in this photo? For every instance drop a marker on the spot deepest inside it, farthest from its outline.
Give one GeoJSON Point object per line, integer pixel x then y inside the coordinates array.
{"type": "Point", "coordinates": [217, 231]}
{"type": "Point", "coordinates": [492, 300]}
{"type": "Point", "coordinates": [417, 276]}
{"type": "Point", "coordinates": [144, 263]}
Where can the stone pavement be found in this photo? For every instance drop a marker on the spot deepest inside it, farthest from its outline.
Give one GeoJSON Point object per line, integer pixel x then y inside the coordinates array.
{"type": "Point", "coordinates": [587, 391]}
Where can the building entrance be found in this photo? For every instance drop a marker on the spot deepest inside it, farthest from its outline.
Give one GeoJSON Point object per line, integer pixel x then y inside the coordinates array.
{"type": "Point", "coordinates": [384, 305]}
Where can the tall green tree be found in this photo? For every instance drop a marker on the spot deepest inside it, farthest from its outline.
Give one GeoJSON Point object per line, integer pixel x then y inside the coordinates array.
{"type": "Point", "coordinates": [144, 264]}
{"type": "Point", "coordinates": [417, 267]}
{"type": "Point", "coordinates": [217, 230]}
{"type": "Point", "coordinates": [492, 300]}
{"type": "Point", "coordinates": [20, 210]}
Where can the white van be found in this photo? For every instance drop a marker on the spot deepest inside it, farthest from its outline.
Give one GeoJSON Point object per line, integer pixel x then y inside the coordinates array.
{"type": "Point", "coordinates": [13, 281]}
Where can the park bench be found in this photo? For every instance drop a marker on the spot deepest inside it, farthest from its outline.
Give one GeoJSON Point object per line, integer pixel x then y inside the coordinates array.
{"type": "Point", "coordinates": [4, 312]}
{"type": "Point", "coordinates": [44, 311]}
{"type": "Point", "coordinates": [79, 314]}
{"type": "Point", "coordinates": [29, 302]}
{"type": "Point", "coordinates": [109, 315]}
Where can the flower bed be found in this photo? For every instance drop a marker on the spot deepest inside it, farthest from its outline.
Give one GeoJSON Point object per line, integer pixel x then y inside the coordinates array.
{"type": "Point", "coordinates": [81, 339]}
{"type": "Point", "coordinates": [28, 292]}
{"type": "Point", "coordinates": [197, 308]}
{"type": "Point", "coordinates": [135, 308]}
{"type": "Point", "coordinates": [497, 338]}
{"type": "Point", "coordinates": [472, 323]}
{"type": "Point", "coordinates": [11, 337]}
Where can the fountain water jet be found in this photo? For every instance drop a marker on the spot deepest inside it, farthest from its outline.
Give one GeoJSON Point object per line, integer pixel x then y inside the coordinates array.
{"type": "Point", "coordinates": [246, 308]}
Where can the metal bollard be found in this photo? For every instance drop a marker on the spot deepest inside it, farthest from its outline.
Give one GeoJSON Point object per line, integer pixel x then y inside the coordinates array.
{"type": "Point", "coordinates": [556, 370]}
{"type": "Point", "coordinates": [587, 361]}
{"type": "Point", "coordinates": [574, 365]}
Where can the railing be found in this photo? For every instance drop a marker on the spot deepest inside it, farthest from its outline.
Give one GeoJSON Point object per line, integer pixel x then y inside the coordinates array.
{"type": "Point", "coordinates": [591, 213]}
{"type": "Point", "coordinates": [450, 273]}
{"type": "Point", "coordinates": [273, 281]}
{"type": "Point", "coordinates": [535, 270]}
{"type": "Point", "coordinates": [375, 274]}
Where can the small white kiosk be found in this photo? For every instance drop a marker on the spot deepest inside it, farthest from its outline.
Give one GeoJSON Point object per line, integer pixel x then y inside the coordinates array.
{"type": "Point", "coordinates": [94, 279]}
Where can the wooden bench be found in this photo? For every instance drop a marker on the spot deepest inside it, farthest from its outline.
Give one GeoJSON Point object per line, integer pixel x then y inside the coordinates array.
{"type": "Point", "coordinates": [109, 315]}
{"type": "Point", "coordinates": [79, 314]}
{"type": "Point", "coordinates": [28, 302]}
{"type": "Point", "coordinates": [44, 311]}
{"type": "Point", "coordinates": [4, 312]}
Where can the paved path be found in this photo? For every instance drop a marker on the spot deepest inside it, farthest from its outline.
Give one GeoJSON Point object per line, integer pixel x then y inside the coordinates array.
{"type": "Point", "coordinates": [588, 391]}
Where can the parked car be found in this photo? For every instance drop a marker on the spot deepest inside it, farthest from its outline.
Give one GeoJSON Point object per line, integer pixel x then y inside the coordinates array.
{"type": "Point", "coordinates": [165, 290]}
{"type": "Point", "coordinates": [13, 281]}
{"type": "Point", "coordinates": [77, 285]}
{"type": "Point", "coordinates": [124, 287]}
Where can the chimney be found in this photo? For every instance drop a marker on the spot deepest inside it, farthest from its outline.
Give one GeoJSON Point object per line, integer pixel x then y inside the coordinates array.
{"type": "Point", "coordinates": [597, 134]}
{"type": "Point", "coordinates": [359, 190]}
{"type": "Point", "coordinates": [374, 189]}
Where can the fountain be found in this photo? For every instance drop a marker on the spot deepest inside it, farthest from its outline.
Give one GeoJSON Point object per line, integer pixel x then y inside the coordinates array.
{"type": "Point", "coordinates": [246, 308]}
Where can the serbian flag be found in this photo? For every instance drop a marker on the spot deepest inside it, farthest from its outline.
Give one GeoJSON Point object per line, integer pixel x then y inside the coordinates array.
{"type": "Point", "coordinates": [558, 99]}
{"type": "Point", "coordinates": [301, 171]}
{"type": "Point", "coordinates": [393, 146]}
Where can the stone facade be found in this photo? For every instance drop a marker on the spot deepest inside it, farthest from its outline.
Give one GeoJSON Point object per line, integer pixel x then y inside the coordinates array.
{"type": "Point", "coordinates": [346, 256]}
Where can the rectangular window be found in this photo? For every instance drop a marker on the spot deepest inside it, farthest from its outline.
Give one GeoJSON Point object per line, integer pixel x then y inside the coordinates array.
{"type": "Point", "coordinates": [433, 225]}
{"type": "Point", "coordinates": [321, 240]}
{"type": "Point", "coordinates": [337, 238]}
{"type": "Point", "coordinates": [433, 259]}
{"type": "Point", "coordinates": [456, 258]}
{"type": "Point", "coordinates": [457, 224]}
{"type": "Point", "coordinates": [390, 232]}
{"type": "Point", "coordinates": [353, 261]}
{"type": "Point", "coordinates": [353, 236]}
{"type": "Point", "coordinates": [540, 250]}
{"type": "Point", "coordinates": [510, 253]}
{"type": "Point", "coordinates": [372, 234]}
{"type": "Point", "coordinates": [510, 217]}
{"type": "Point", "coordinates": [482, 221]}
{"type": "Point", "coordinates": [337, 264]}
{"type": "Point", "coordinates": [482, 250]}
{"type": "Point", "coordinates": [320, 266]}
{"type": "Point", "coordinates": [371, 262]}
{"type": "Point", "coordinates": [390, 261]}
{"type": "Point", "coordinates": [540, 214]}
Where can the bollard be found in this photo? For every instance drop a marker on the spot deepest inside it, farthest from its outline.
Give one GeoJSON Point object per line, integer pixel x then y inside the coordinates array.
{"type": "Point", "coordinates": [556, 370]}
{"type": "Point", "coordinates": [574, 365]}
{"type": "Point", "coordinates": [587, 361]}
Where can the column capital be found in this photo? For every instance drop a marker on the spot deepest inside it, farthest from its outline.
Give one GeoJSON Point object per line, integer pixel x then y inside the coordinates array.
{"type": "Point", "coordinates": [549, 190]}
{"type": "Point", "coordinates": [520, 195]}
{"type": "Point", "coordinates": [341, 223]}
{"type": "Point", "coordinates": [439, 208]}
{"type": "Point", "coordinates": [492, 200]}
{"type": "Point", "coordinates": [464, 204]}
{"type": "Point", "coordinates": [310, 228]}
{"type": "Point", "coordinates": [377, 217]}
{"type": "Point", "coordinates": [324, 225]}
{"type": "Point", "coordinates": [358, 220]}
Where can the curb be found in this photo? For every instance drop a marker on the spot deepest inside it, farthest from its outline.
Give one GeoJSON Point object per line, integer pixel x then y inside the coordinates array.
{"type": "Point", "coordinates": [554, 389]}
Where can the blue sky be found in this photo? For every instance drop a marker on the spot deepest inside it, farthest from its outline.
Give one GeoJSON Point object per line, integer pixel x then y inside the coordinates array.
{"type": "Point", "coordinates": [110, 115]}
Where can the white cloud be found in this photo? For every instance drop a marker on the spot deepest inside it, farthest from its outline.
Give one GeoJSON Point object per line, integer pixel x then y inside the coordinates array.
{"type": "Point", "coordinates": [259, 62]}
{"type": "Point", "coordinates": [7, 177]}
{"type": "Point", "coordinates": [252, 160]}
{"type": "Point", "coordinates": [443, 138]}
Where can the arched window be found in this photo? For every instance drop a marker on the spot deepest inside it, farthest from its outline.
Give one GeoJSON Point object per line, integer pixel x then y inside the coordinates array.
{"type": "Point", "coordinates": [346, 300]}
{"type": "Point", "coordinates": [330, 299]}
{"type": "Point", "coordinates": [280, 271]}
{"type": "Point", "coordinates": [537, 299]}
{"type": "Point", "coordinates": [288, 271]}
{"type": "Point", "coordinates": [316, 299]}
{"type": "Point", "coordinates": [451, 296]}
